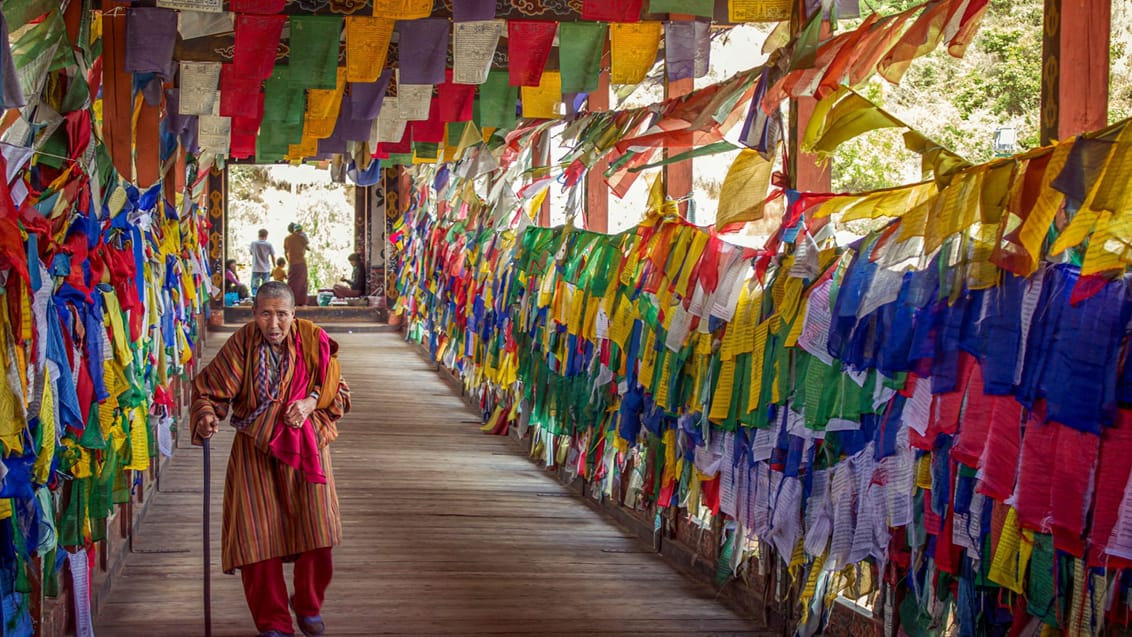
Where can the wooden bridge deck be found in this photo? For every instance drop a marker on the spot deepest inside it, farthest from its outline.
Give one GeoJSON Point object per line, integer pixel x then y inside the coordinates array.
{"type": "Point", "coordinates": [446, 532]}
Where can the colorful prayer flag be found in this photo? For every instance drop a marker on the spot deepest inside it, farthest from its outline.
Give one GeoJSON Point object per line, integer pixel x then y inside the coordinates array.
{"type": "Point", "coordinates": [423, 50]}
{"type": "Point", "coordinates": [633, 49]}
{"type": "Point", "coordinates": [580, 49]}
{"type": "Point", "coordinates": [612, 10]}
{"type": "Point", "coordinates": [528, 47]}
{"type": "Point", "coordinates": [367, 45]}
{"type": "Point", "coordinates": [545, 100]}
{"type": "Point", "coordinates": [315, 38]}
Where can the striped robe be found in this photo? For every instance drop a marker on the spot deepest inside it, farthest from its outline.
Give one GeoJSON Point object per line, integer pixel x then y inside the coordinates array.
{"type": "Point", "coordinates": [270, 509]}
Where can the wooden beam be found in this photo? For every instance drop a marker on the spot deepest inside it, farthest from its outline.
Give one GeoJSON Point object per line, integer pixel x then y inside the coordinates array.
{"type": "Point", "coordinates": [805, 173]}
{"type": "Point", "coordinates": [540, 161]}
{"type": "Point", "coordinates": [597, 192]}
{"type": "Point", "coordinates": [678, 176]}
{"type": "Point", "coordinates": [1075, 67]}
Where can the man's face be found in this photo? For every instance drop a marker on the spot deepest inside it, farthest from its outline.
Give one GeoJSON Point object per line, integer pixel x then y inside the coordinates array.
{"type": "Point", "coordinates": [274, 316]}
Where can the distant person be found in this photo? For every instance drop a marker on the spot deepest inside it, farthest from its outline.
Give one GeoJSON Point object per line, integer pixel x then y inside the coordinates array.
{"type": "Point", "coordinates": [263, 253]}
{"type": "Point", "coordinates": [232, 283]}
{"type": "Point", "coordinates": [279, 273]}
{"type": "Point", "coordinates": [357, 280]}
{"type": "Point", "coordinates": [295, 246]}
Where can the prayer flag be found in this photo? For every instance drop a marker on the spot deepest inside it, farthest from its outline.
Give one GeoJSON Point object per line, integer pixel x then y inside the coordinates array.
{"type": "Point", "coordinates": [201, 24]}
{"type": "Point", "coordinates": [413, 101]}
{"type": "Point", "coordinates": [429, 130]}
{"type": "Point", "coordinates": [580, 48]}
{"type": "Point", "coordinates": [759, 10]}
{"type": "Point", "coordinates": [612, 10]}
{"type": "Point", "coordinates": [472, 10]}
{"type": "Point", "coordinates": [528, 47]}
{"type": "Point", "coordinates": [213, 134]}
{"type": "Point", "coordinates": [473, 49]}
{"type": "Point", "coordinates": [150, 35]}
{"type": "Point", "coordinates": [199, 82]}
{"type": "Point", "coordinates": [368, 96]}
{"type": "Point", "coordinates": [744, 189]}
{"type": "Point", "coordinates": [687, 49]}
{"type": "Point", "coordinates": [497, 101]}
{"type": "Point", "coordinates": [367, 45]}
{"type": "Point", "coordinates": [402, 9]}
{"type": "Point", "coordinates": [456, 101]}
{"type": "Point", "coordinates": [315, 38]}
{"type": "Point", "coordinates": [281, 102]}
{"type": "Point", "coordinates": [237, 94]}
{"type": "Point", "coordinates": [256, 7]}
{"type": "Point", "coordinates": [545, 100]}
{"type": "Point", "coordinates": [322, 109]}
{"type": "Point", "coordinates": [256, 45]}
{"type": "Point", "coordinates": [705, 8]}
{"type": "Point", "coordinates": [633, 49]}
{"type": "Point", "coordinates": [423, 50]}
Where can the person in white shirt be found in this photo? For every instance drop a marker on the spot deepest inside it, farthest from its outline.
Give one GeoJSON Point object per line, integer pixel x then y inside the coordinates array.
{"type": "Point", "coordinates": [263, 256]}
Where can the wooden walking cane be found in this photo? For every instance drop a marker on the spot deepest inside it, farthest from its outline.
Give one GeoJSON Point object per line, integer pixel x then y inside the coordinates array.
{"type": "Point", "coordinates": [207, 543]}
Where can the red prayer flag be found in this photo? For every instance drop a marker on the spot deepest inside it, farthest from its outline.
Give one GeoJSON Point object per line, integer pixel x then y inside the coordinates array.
{"type": "Point", "coordinates": [258, 7]}
{"type": "Point", "coordinates": [430, 130]}
{"type": "Point", "coordinates": [456, 101]}
{"type": "Point", "coordinates": [1075, 460]}
{"type": "Point", "coordinates": [1113, 471]}
{"type": "Point", "coordinates": [238, 94]}
{"type": "Point", "coordinates": [256, 44]}
{"type": "Point", "coordinates": [1035, 479]}
{"type": "Point", "coordinates": [528, 47]}
{"type": "Point", "coordinates": [612, 10]}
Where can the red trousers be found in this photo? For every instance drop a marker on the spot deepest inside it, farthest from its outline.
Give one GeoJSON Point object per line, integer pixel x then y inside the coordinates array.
{"type": "Point", "coordinates": [266, 590]}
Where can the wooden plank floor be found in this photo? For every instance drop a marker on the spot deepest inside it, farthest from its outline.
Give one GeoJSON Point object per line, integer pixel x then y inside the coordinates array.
{"type": "Point", "coordinates": [447, 532]}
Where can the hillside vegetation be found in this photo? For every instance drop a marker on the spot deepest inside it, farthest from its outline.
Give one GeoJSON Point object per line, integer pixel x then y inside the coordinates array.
{"type": "Point", "coordinates": [961, 102]}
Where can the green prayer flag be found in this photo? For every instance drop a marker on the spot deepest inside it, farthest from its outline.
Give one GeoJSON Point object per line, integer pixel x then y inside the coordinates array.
{"type": "Point", "coordinates": [400, 159]}
{"type": "Point", "coordinates": [705, 8]}
{"type": "Point", "coordinates": [275, 138]}
{"type": "Point", "coordinates": [282, 101]}
{"type": "Point", "coordinates": [497, 102]}
{"type": "Point", "coordinates": [1041, 597]}
{"type": "Point", "coordinates": [426, 150]}
{"type": "Point", "coordinates": [314, 48]}
{"type": "Point", "coordinates": [20, 12]}
{"type": "Point", "coordinates": [702, 151]}
{"type": "Point", "coordinates": [580, 47]}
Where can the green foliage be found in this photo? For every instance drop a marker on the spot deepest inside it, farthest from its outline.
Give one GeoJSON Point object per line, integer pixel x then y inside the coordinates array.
{"type": "Point", "coordinates": [271, 197]}
{"type": "Point", "coordinates": [960, 103]}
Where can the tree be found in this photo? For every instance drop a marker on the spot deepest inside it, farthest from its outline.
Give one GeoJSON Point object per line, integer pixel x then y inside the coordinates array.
{"type": "Point", "coordinates": [271, 197]}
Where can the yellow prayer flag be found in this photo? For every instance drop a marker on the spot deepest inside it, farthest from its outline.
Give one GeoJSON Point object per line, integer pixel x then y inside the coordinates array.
{"type": "Point", "coordinates": [322, 109]}
{"type": "Point", "coordinates": [536, 203]}
{"type": "Point", "coordinates": [308, 147]}
{"type": "Point", "coordinates": [633, 48]}
{"type": "Point", "coordinates": [1050, 200]}
{"type": "Point", "coordinates": [759, 10]}
{"type": "Point", "coordinates": [402, 9]}
{"type": "Point", "coordinates": [542, 101]}
{"type": "Point", "coordinates": [744, 189]}
{"type": "Point", "coordinates": [470, 136]}
{"type": "Point", "coordinates": [1099, 257]}
{"type": "Point", "coordinates": [367, 44]}
{"type": "Point", "coordinates": [324, 103]}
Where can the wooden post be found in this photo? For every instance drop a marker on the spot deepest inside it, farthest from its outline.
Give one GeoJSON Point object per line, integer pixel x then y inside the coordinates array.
{"type": "Point", "coordinates": [678, 176]}
{"type": "Point", "coordinates": [1075, 67]}
{"type": "Point", "coordinates": [597, 192]}
{"type": "Point", "coordinates": [805, 173]}
{"type": "Point", "coordinates": [217, 229]}
{"type": "Point", "coordinates": [540, 162]}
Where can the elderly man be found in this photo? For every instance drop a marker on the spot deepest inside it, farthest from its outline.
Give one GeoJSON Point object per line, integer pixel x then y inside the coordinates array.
{"type": "Point", "coordinates": [280, 375]}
